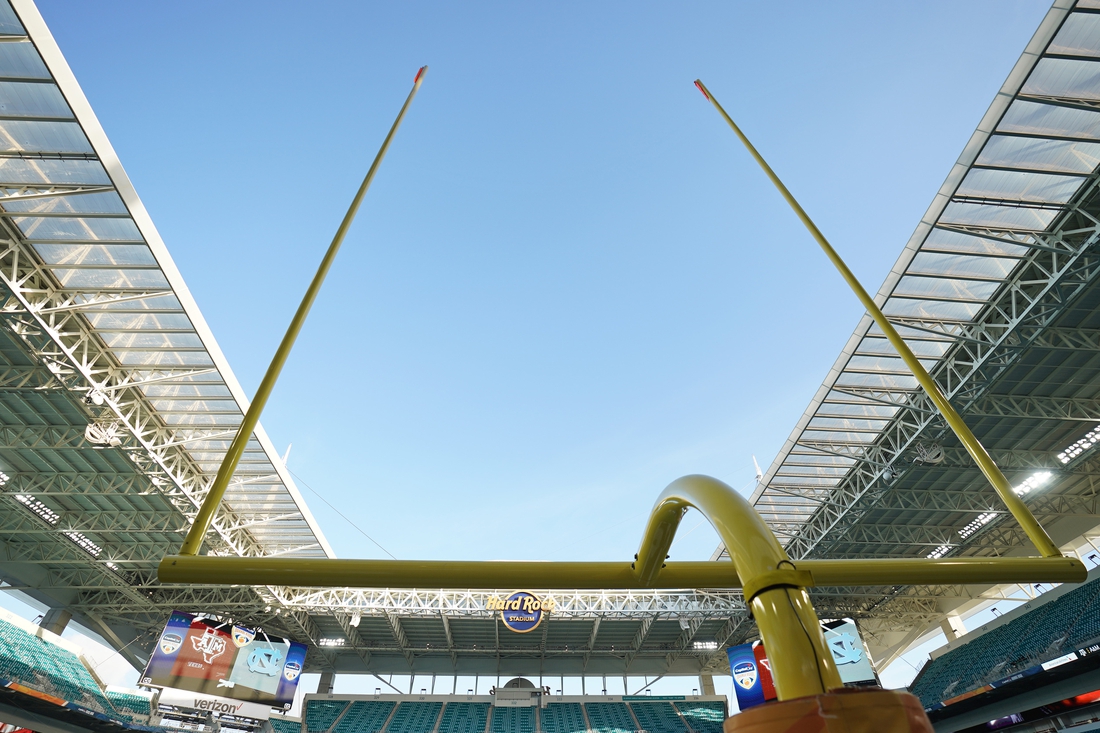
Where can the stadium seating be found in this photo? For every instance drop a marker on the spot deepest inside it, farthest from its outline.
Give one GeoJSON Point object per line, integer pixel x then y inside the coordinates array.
{"type": "Point", "coordinates": [610, 717]}
{"type": "Point", "coordinates": [129, 703]}
{"type": "Point", "coordinates": [658, 717]}
{"type": "Point", "coordinates": [31, 661]}
{"type": "Point", "coordinates": [703, 717]}
{"type": "Point", "coordinates": [562, 717]}
{"type": "Point", "coordinates": [365, 716]}
{"type": "Point", "coordinates": [464, 717]}
{"type": "Point", "coordinates": [513, 720]}
{"type": "Point", "coordinates": [1046, 632]}
{"type": "Point", "coordinates": [321, 714]}
{"type": "Point", "coordinates": [282, 725]}
{"type": "Point", "coordinates": [414, 717]}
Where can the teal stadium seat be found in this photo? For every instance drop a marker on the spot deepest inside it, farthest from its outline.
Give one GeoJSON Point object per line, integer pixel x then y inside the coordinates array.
{"type": "Point", "coordinates": [414, 717]}
{"type": "Point", "coordinates": [1047, 632]}
{"type": "Point", "coordinates": [703, 717]}
{"type": "Point", "coordinates": [365, 716]}
{"type": "Point", "coordinates": [48, 668]}
{"type": "Point", "coordinates": [464, 717]}
{"type": "Point", "coordinates": [128, 703]}
{"type": "Point", "coordinates": [321, 714]}
{"type": "Point", "coordinates": [562, 717]}
{"type": "Point", "coordinates": [282, 725]}
{"type": "Point", "coordinates": [610, 717]}
{"type": "Point", "coordinates": [658, 717]}
{"type": "Point", "coordinates": [512, 720]}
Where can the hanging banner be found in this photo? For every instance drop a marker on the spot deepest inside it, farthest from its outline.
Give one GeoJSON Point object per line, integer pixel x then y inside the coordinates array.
{"type": "Point", "coordinates": [844, 641]}
{"type": "Point", "coordinates": [746, 676]}
{"type": "Point", "coordinates": [764, 667]}
{"type": "Point", "coordinates": [752, 675]}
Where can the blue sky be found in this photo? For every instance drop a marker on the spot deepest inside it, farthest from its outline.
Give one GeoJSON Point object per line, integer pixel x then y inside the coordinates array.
{"type": "Point", "coordinates": [569, 284]}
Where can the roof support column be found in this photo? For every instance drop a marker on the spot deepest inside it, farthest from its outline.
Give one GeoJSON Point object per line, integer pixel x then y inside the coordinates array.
{"type": "Point", "coordinates": [55, 620]}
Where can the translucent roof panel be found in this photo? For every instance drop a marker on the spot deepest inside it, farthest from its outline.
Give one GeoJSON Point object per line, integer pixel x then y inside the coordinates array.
{"type": "Point", "coordinates": [1064, 156]}
{"type": "Point", "coordinates": [1009, 185]}
{"type": "Point", "coordinates": [1064, 79]}
{"type": "Point", "coordinates": [73, 210]}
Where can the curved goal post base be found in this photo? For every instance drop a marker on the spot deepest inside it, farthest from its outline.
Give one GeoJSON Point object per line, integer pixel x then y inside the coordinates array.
{"type": "Point", "coordinates": [843, 711]}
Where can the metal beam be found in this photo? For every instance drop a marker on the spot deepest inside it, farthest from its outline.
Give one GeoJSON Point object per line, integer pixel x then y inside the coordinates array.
{"type": "Point", "coordinates": [1042, 408]}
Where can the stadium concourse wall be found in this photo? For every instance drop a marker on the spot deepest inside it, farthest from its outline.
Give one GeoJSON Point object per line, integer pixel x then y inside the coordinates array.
{"type": "Point", "coordinates": [393, 713]}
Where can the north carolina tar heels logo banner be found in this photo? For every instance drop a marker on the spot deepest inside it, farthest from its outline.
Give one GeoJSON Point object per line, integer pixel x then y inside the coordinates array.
{"type": "Point", "coordinates": [242, 637]}
{"type": "Point", "coordinates": [170, 643]}
{"type": "Point", "coordinates": [264, 661]}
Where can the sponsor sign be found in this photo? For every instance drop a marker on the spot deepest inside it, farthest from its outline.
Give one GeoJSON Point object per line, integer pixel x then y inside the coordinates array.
{"type": "Point", "coordinates": [522, 611]}
{"type": "Point", "coordinates": [221, 705]}
{"type": "Point", "coordinates": [206, 656]}
{"type": "Point", "coordinates": [242, 637]}
{"type": "Point", "coordinates": [1064, 659]}
{"type": "Point", "coordinates": [1090, 649]}
{"type": "Point", "coordinates": [746, 676]}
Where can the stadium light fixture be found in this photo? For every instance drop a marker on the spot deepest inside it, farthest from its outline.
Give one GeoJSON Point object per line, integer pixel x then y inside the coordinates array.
{"type": "Point", "coordinates": [38, 508]}
{"type": "Point", "coordinates": [976, 524]}
{"type": "Point", "coordinates": [939, 552]}
{"type": "Point", "coordinates": [84, 543]}
{"type": "Point", "coordinates": [1078, 447]}
{"type": "Point", "coordinates": [1032, 482]}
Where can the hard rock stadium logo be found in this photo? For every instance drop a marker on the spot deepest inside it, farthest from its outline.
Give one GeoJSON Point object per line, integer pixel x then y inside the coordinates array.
{"type": "Point", "coordinates": [522, 611]}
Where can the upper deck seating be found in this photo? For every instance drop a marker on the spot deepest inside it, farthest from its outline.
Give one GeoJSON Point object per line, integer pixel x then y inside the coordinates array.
{"type": "Point", "coordinates": [321, 714]}
{"type": "Point", "coordinates": [658, 717]}
{"type": "Point", "coordinates": [610, 717]}
{"type": "Point", "coordinates": [703, 717]}
{"type": "Point", "coordinates": [415, 717]}
{"type": "Point", "coordinates": [365, 716]}
{"type": "Point", "coordinates": [562, 717]}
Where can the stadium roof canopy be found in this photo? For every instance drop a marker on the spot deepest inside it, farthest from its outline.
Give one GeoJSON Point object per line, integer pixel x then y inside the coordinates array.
{"type": "Point", "coordinates": [116, 404]}
{"type": "Point", "coordinates": [996, 292]}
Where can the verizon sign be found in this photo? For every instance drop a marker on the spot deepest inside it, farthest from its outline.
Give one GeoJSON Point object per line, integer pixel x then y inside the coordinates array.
{"type": "Point", "coordinates": [219, 705]}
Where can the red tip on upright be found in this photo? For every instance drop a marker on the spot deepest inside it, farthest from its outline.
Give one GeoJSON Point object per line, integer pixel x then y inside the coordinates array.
{"type": "Point", "coordinates": [420, 73]}
{"type": "Point", "coordinates": [699, 85]}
